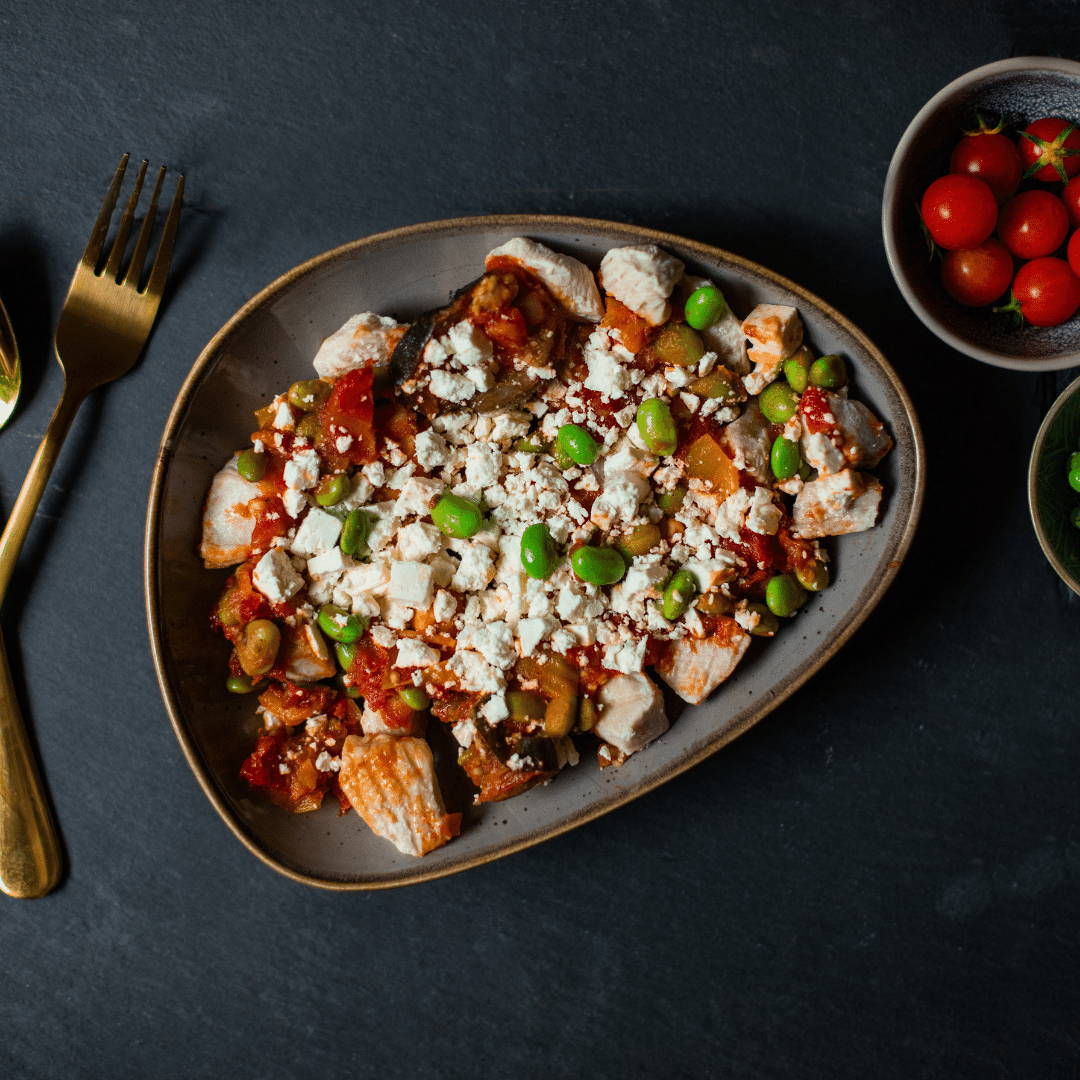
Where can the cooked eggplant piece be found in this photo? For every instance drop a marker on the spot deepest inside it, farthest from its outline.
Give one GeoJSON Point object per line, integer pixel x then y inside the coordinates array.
{"type": "Point", "coordinates": [406, 357]}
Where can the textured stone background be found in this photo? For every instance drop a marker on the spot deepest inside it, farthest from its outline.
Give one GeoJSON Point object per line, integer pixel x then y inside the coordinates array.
{"type": "Point", "coordinates": [878, 880]}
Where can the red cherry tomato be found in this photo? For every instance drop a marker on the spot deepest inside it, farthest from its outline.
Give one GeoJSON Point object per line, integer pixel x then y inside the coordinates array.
{"type": "Point", "coordinates": [1050, 149]}
{"type": "Point", "coordinates": [1033, 223]}
{"type": "Point", "coordinates": [958, 212]}
{"type": "Point", "coordinates": [977, 276]}
{"type": "Point", "coordinates": [1072, 252]}
{"type": "Point", "coordinates": [991, 157]}
{"type": "Point", "coordinates": [1071, 197]}
{"type": "Point", "coordinates": [1045, 292]}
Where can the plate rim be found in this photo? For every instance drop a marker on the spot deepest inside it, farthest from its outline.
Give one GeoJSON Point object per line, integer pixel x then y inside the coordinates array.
{"type": "Point", "coordinates": [522, 222]}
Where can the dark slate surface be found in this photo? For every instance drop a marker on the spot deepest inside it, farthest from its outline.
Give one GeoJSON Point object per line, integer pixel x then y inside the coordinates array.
{"type": "Point", "coordinates": [879, 880]}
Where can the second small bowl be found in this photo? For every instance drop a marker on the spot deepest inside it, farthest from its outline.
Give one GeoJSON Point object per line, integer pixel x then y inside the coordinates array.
{"type": "Point", "coordinates": [1020, 90]}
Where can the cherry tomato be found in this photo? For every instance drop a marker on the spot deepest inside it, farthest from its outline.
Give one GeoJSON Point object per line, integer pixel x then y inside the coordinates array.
{"type": "Point", "coordinates": [991, 157]}
{"type": "Point", "coordinates": [1072, 252]}
{"type": "Point", "coordinates": [1049, 149]}
{"type": "Point", "coordinates": [959, 211]}
{"type": "Point", "coordinates": [1071, 197]}
{"type": "Point", "coordinates": [1033, 223]}
{"type": "Point", "coordinates": [1045, 292]}
{"type": "Point", "coordinates": [977, 276]}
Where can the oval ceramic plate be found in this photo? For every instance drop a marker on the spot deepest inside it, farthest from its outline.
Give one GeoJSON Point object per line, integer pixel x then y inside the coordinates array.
{"type": "Point", "coordinates": [269, 343]}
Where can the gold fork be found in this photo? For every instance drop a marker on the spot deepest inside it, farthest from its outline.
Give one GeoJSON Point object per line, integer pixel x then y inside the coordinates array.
{"type": "Point", "coordinates": [103, 326]}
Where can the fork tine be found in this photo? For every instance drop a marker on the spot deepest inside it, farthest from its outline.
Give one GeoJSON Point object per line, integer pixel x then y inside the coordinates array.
{"type": "Point", "coordinates": [101, 226]}
{"type": "Point", "coordinates": [160, 269]}
{"type": "Point", "coordinates": [112, 267]}
{"type": "Point", "coordinates": [134, 270]}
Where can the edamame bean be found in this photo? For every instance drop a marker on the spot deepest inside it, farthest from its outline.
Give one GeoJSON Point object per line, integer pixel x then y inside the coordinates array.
{"type": "Point", "coordinates": [639, 540]}
{"type": "Point", "coordinates": [528, 446]}
{"type": "Point", "coordinates": [656, 426]}
{"type": "Point", "coordinates": [251, 466]}
{"type": "Point", "coordinates": [797, 369]}
{"type": "Point", "coordinates": [416, 697]}
{"type": "Point", "coordinates": [239, 684]}
{"type": "Point", "coordinates": [598, 565]}
{"type": "Point", "coordinates": [538, 555]}
{"type": "Point", "coordinates": [525, 705]}
{"type": "Point", "coordinates": [346, 654]}
{"type": "Point", "coordinates": [716, 384]}
{"type": "Point", "coordinates": [678, 595]}
{"type": "Point", "coordinates": [457, 516]}
{"type": "Point", "coordinates": [670, 501]}
{"type": "Point", "coordinates": [778, 403]}
{"type": "Point", "coordinates": [332, 489]}
{"type": "Point", "coordinates": [704, 307]}
{"type": "Point", "coordinates": [784, 595]}
{"type": "Point", "coordinates": [577, 444]}
{"type": "Point", "coordinates": [354, 533]}
{"type": "Point", "coordinates": [679, 345]}
{"type": "Point", "coordinates": [813, 576]}
{"type": "Point", "coordinates": [829, 372]}
{"type": "Point", "coordinates": [784, 458]}
{"type": "Point", "coordinates": [309, 427]}
{"type": "Point", "coordinates": [308, 394]}
{"type": "Point", "coordinates": [257, 647]}
{"type": "Point", "coordinates": [767, 623]}
{"type": "Point", "coordinates": [338, 624]}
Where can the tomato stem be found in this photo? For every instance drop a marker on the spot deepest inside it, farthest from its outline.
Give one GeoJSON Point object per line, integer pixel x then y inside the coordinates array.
{"type": "Point", "coordinates": [1011, 310]}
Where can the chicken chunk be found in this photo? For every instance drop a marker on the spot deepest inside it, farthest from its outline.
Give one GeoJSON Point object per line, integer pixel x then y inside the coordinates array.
{"type": "Point", "coordinates": [372, 722]}
{"type": "Point", "coordinates": [305, 655]}
{"type": "Point", "coordinates": [774, 328]}
{"type": "Point", "coordinates": [365, 340]}
{"type": "Point", "coordinates": [632, 712]}
{"type": "Point", "coordinates": [570, 281]}
{"type": "Point", "coordinates": [391, 784]}
{"type": "Point", "coordinates": [845, 502]}
{"type": "Point", "coordinates": [749, 441]}
{"type": "Point", "coordinates": [695, 667]}
{"type": "Point", "coordinates": [228, 520]}
{"type": "Point", "coordinates": [862, 436]}
{"type": "Point", "coordinates": [641, 277]}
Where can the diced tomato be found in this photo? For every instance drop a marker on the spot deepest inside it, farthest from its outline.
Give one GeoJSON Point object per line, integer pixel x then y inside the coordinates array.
{"type": "Point", "coordinates": [349, 410]}
{"type": "Point", "coordinates": [394, 421]}
{"type": "Point", "coordinates": [271, 521]}
{"type": "Point", "coordinates": [293, 704]}
{"type": "Point", "coordinates": [240, 602]}
{"type": "Point", "coordinates": [260, 768]}
{"type": "Point", "coordinates": [506, 327]}
{"type": "Point", "coordinates": [369, 671]}
{"type": "Point", "coordinates": [797, 552]}
{"type": "Point", "coordinates": [814, 406]}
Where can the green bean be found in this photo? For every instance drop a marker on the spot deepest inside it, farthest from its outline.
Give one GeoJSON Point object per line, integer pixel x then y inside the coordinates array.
{"type": "Point", "coordinates": [355, 531]}
{"type": "Point", "coordinates": [239, 684]}
{"type": "Point", "coordinates": [639, 540]}
{"type": "Point", "coordinates": [577, 443]}
{"type": "Point", "coordinates": [829, 372]}
{"type": "Point", "coordinates": [538, 556]}
{"type": "Point", "coordinates": [346, 654]}
{"type": "Point", "coordinates": [704, 307]}
{"type": "Point", "coordinates": [332, 489]}
{"type": "Point", "coordinates": [778, 402]}
{"type": "Point", "coordinates": [813, 576]}
{"type": "Point", "coordinates": [308, 394]}
{"type": "Point", "coordinates": [525, 705]}
{"type": "Point", "coordinates": [338, 624]}
{"type": "Point", "coordinates": [679, 345]}
{"type": "Point", "coordinates": [257, 646]}
{"type": "Point", "coordinates": [767, 624]}
{"type": "Point", "coordinates": [598, 565]}
{"type": "Point", "coordinates": [784, 458]}
{"type": "Point", "coordinates": [797, 369]}
{"type": "Point", "coordinates": [457, 516]}
{"type": "Point", "coordinates": [678, 595]}
{"type": "Point", "coordinates": [251, 466]}
{"type": "Point", "coordinates": [656, 426]}
{"type": "Point", "coordinates": [784, 595]}
{"type": "Point", "coordinates": [670, 501]}
{"type": "Point", "coordinates": [416, 697]}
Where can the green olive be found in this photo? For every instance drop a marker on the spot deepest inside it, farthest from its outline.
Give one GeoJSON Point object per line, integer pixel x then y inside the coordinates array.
{"type": "Point", "coordinates": [332, 489]}
{"type": "Point", "coordinates": [598, 565]}
{"type": "Point", "coordinates": [797, 369]}
{"type": "Point", "coordinates": [457, 516]}
{"type": "Point", "coordinates": [338, 624]}
{"type": "Point", "coordinates": [577, 444]}
{"type": "Point", "coordinates": [784, 595]}
{"type": "Point", "coordinates": [257, 646]}
{"type": "Point", "coordinates": [355, 531]}
{"type": "Point", "coordinates": [538, 555]}
{"type": "Point", "coordinates": [678, 595]}
{"type": "Point", "coordinates": [656, 426]}
{"type": "Point", "coordinates": [239, 684]}
{"type": "Point", "coordinates": [829, 372]}
{"type": "Point", "coordinates": [784, 458]}
{"type": "Point", "coordinates": [778, 403]}
{"type": "Point", "coordinates": [670, 501]}
{"type": "Point", "coordinates": [416, 697]}
{"type": "Point", "coordinates": [679, 345]}
{"type": "Point", "coordinates": [717, 384]}
{"type": "Point", "coordinates": [346, 654]}
{"type": "Point", "coordinates": [704, 307]}
{"type": "Point", "coordinates": [639, 540]}
{"type": "Point", "coordinates": [813, 576]}
{"type": "Point", "coordinates": [767, 624]}
{"type": "Point", "coordinates": [251, 466]}
{"type": "Point", "coordinates": [525, 705]}
{"type": "Point", "coordinates": [308, 394]}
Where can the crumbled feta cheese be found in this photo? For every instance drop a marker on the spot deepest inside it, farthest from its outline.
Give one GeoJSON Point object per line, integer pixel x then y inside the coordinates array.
{"type": "Point", "coordinates": [451, 387]}
{"type": "Point", "coordinates": [275, 577]}
{"type": "Point", "coordinates": [476, 569]}
{"type": "Point", "coordinates": [413, 653]}
{"type": "Point", "coordinates": [418, 540]}
{"type": "Point", "coordinates": [494, 641]}
{"type": "Point", "coordinates": [318, 532]}
{"type": "Point", "coordinates": [417, 496]}
{"type": "Point", "coordinates": [411, 583]}
{"type": "Point", "coordinates": [432, 451]}
{"type": "Point", "coordinates": [302, 470]}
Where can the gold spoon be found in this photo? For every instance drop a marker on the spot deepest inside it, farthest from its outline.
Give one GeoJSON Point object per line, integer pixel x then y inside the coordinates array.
{"type": "Point", "coordinates": [10, 367]}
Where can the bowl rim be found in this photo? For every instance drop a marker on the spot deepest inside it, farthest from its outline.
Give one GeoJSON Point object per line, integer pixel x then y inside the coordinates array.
{"type": "Point", "coordinates": [520, 222]}
{"type": "Point", "coordinates": [1057, 64]}
{"type": "Point", "coordinates": [1033, 469]}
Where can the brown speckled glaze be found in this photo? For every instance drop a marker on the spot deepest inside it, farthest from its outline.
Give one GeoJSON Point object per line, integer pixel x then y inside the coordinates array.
{"type": "Point", "coordinates": [268, 344]}
{"type": "Point", "coordinates": [1020, 90]}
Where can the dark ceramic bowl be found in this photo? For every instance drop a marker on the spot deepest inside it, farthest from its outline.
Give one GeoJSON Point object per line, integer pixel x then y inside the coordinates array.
{"type": "Point", "coordinates": [1050, 498]}
{"type": "Point", "coordinates": [1020, 90]}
